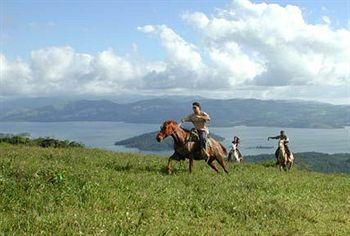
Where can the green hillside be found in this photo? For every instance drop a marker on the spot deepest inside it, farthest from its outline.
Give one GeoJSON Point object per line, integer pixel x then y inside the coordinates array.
{"type": "Point", "coordinates": [91, 191]}
{"type": "Point", "coordinates": [314, 161]}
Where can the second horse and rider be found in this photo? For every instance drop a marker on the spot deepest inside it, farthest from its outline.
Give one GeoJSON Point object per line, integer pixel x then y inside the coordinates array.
{"type": "Point", "coordinates": [196, 144]}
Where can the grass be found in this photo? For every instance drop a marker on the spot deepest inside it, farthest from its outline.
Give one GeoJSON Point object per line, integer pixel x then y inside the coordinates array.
{"type": "Point", "coordinates": [91, 191]}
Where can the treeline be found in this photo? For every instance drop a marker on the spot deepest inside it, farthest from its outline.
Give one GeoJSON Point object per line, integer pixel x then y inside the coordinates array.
{"type": "Point", "coordinates": [41, 142]}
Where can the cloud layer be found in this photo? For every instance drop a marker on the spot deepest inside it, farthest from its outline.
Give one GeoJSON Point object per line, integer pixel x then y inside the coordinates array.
{"type": "Point", "coordinates": [256, 48]}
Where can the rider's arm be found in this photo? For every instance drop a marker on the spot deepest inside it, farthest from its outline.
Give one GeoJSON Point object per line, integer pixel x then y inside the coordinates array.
{"type": "Point", "coordinates": [276, 137]}
{"type": "Point", "coordinates": [186, 119]}
{"type": "Point", "coordinates": [204, 116]}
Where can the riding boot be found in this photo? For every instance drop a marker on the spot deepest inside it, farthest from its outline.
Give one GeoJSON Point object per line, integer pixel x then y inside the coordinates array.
{"type": "Point", "coordinates": [202, 142]}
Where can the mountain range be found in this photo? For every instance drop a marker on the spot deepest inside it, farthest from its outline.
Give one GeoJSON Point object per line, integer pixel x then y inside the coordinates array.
{"type": "Point", "coordinates": [231, 112]}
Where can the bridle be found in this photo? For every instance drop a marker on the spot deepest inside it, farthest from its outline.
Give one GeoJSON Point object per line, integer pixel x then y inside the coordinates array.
{"type": "Point", "coordinates": [175, 135]}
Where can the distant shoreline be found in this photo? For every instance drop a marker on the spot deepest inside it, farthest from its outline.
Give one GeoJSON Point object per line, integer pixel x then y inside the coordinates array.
{"type": "Point", "coordinates": [138, 123]}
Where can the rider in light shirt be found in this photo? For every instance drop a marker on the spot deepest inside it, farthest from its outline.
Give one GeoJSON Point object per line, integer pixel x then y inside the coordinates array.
{"type": "Point", "coordinates": [199, 119]}
{"type": "Point", "coordinates": [284, 137]}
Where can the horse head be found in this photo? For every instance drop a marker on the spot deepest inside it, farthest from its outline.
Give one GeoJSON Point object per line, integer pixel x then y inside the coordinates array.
{"type": "Point", "coordinates": [166, 129]}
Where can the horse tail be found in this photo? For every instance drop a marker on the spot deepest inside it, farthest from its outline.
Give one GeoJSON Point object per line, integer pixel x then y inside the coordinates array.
{"type": "Point", "coordinates": [223, 148]}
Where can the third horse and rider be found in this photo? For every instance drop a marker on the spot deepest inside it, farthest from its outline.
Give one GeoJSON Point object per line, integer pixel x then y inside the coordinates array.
{"type": "Point", "coordinates": [284, 157]}
{"type": "Point", "coordinates": [208, 148]}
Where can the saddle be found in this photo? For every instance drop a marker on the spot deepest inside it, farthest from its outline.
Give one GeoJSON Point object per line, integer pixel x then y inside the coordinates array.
{"type": "Point", "coordinates": [194, 137]}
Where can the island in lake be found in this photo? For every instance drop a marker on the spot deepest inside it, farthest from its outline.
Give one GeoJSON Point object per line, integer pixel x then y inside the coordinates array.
{"type": "Point", "coordinates": [260, 147]}
{"type": "Point", "coordinates": [148, 142]}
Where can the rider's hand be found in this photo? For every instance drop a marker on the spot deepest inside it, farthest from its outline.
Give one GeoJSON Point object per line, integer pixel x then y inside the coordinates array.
{"type": "Point", "coordinates": [200, 117]}
{"type": "Point", "coordinates": [268, 138]}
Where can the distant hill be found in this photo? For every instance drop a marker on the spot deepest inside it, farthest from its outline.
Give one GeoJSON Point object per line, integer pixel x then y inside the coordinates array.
{"type": "Point", "coordinates": [233, 112]}
{"type": "Point", "coordinates": [147, 142]}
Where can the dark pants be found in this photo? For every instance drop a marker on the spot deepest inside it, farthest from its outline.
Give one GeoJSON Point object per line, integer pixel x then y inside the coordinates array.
{"type": "Point", "coordinates": [202, 138]}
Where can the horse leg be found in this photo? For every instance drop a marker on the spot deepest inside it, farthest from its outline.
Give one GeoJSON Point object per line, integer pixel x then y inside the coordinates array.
{"type": "Point", "coordinates": [222, 163]}
{"type": "Point", "coordinates": [290, 165]}
{"type": "Point", "coordinates": [285, 166]}
{"type": "Point", "coordinates": [212, 165]}
{"type": "Point", "coordinates": [279, 165]}
{"type": "Point", "coordinates": [169, 168]}
{"type": "Point", "coordinates": [236, 156]}
{"type": "Point", "coordinates": [190, 165]}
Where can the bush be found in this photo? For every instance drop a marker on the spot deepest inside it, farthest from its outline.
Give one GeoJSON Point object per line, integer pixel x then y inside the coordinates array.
{"type": "Point", "coordinates": [42, 142]}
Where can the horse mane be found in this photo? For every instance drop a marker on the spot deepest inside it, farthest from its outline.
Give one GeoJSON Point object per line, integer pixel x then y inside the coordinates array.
{"type": "Point", "coordinates": [175, 123]}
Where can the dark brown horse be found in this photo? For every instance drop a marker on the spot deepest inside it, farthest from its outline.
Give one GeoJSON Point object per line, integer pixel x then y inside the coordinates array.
{"type": "Point", "coordinates": [185, 148]}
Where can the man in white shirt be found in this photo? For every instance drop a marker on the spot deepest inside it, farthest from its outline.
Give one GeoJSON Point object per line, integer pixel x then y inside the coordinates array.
{"type": "Point", "coordinates": [199, 119]}
{"type": "Point", "coordinates": [284, 137]}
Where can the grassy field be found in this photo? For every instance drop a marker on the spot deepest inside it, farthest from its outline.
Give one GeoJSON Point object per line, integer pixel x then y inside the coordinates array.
{"type": "Point", "coordinates": [91, 191]}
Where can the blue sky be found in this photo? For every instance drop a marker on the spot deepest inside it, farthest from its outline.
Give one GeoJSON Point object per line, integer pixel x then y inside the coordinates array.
{"type": "Point", "coordinates": [92, 26]}
{"type": "Point", "coordinates": [283, 49]}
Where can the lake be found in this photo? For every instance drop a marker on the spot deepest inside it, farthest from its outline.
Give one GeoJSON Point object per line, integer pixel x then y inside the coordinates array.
{"type": "Point", "coordinates": [105, 134]}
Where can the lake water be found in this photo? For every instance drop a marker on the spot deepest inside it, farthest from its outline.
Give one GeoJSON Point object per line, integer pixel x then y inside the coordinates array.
{"type": "Point", "coordinates": [105, 134]}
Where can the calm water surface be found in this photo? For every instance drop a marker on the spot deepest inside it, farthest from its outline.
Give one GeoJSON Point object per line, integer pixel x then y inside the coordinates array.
{"type": "Point", "coordinates": [105, 134]}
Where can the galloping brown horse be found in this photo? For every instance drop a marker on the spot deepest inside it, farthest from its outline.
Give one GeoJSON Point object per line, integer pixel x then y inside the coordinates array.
{"type": "Point", "coordinates": [283, 160]}
{"type": "Point", "coordinates": [185, 148]}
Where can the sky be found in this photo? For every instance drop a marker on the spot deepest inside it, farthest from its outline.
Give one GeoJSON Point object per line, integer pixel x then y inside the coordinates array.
{"type": "Point", "coordinates": [217, 49]}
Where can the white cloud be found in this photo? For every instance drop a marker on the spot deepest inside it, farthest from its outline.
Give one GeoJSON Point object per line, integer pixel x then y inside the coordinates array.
{"type": "Point", "coordinates": [197, 18]}
{"type": "Point", "coordinates": [62, 71]}
{"type": "Point", "coordinates": [15, 77]}
{"type": "Point", "coordinates": [326, 20]}
{"type": "Point", "coordinates": [146, 28]}
{"type": "Point", "coordinates": [180, 52]}
{"type": "Point", "coordinates": [289, 50]}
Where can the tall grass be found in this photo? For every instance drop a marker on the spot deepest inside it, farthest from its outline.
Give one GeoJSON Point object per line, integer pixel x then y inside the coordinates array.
{"type": "Point", "coordinates": [91, 191]}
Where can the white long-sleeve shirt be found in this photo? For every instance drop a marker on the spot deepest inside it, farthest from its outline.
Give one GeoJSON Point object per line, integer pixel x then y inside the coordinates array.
{"type": "Point", "coordinates": [198, 123]}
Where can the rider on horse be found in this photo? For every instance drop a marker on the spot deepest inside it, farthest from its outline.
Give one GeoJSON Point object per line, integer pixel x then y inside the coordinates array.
{"type": "Point", "coordinates": [199, 118]}
{"type": "Point", "coordinates": [284, 137]}
{"type": "Point", "coordinates": [235, 143]}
